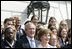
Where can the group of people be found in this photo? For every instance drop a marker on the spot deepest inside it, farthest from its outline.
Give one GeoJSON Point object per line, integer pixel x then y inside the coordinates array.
{"type": "Point", "coordinates": [34, 34]}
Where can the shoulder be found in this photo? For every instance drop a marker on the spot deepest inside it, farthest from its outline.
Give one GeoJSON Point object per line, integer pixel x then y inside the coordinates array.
{"type": "Point", "coordinates": [18, 43]}
{"type": "Point", "coordinates": [22, 39]}
{"type": "Point", "coordinates": [37, 41]}
{"type": "Point", "coordinates": [22, 42]}
{"type": "Point", "coordinates": [60, 40]}
{"type": "Point", "coordinates": [4, 44]}
{"type": "Point", "coordinates": [50, 46]}
{"type": "Point", "coordinates": [39, 45]}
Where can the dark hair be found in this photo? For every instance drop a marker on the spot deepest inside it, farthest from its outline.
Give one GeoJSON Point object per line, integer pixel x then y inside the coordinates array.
{"type": "Point", "coordinates": [27, 22]}
{"type": "Point", "coordinates": [7, 19]}
{"type": "Point", "coordinates": [33, 17]}
{"type": "Point", "coordinates": [69, 30]}
{"type": "Point", "coordinates": [52, 27]}
{"type": "Point", "coordinates": [69, 35]}
{"type": "Point", "coordinates": [52, 18]}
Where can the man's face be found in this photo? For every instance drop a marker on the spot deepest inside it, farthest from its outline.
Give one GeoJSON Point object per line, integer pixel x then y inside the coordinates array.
{"type": "Point", "coordinates": [30, 31]}
{"type": "Point", "coordinates": [8, 23]}
{"type": "Point", "coordinates": [10, 34]}
{"type": "Point", "coordinates": [18, 21]}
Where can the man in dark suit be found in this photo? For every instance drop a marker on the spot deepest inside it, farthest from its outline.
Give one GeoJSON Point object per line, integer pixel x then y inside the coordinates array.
{"type": "Point", "coordinates": [28, 41]}
{"type": "Point", "coordinates": [9, 41]}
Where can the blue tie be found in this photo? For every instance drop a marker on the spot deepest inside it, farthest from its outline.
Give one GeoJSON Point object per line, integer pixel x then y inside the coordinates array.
{"type": "Point", "coordinates": [32, 45]}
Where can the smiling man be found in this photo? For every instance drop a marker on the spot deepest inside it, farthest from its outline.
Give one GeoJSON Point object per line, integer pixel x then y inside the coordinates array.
{"type": "Point", "coordinates": [28, 41]}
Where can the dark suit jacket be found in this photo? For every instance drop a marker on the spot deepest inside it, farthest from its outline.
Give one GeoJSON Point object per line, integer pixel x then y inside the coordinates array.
{"type": "Point", "coordinates": [19, 33]}
{"type": "Point", "coordinates": [24, 43]}
{"type": "Point", "coordinates": [4, 44]}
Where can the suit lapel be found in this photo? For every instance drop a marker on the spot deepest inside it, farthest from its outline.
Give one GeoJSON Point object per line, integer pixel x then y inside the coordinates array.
{"type": "Point", "coordinates": [26, 43]}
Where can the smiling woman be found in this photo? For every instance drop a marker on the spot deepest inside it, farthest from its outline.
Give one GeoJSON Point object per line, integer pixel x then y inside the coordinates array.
{"type": "Point", "coordinates": [54, 42]}
{"type": "Point", "coordinates": [44, 36]}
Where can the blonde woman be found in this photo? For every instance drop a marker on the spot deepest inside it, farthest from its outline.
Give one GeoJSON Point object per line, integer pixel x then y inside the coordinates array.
{"type": "Point", "coordinates": [63, 24]}
{"type": "Point", "coordinates": [54, 42]}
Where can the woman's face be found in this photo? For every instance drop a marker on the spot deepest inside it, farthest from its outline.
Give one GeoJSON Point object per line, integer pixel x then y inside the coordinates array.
{"type": "Point", "coordinates": [45, 38]}
{"type": "Point", "coordinates": [53, 40]}
{"type": "Point", "coordinates": [63, 24]}
{"type": "Point", "coordinates": [35, 20]}
{"type": "Point", "coordinates": [54, 31]}
{"type": "Point", "coordinates": [63, 33]}
{"type": "Point", "coordinates": [53, 22]}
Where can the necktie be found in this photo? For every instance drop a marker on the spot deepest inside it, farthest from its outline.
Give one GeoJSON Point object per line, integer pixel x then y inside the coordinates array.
{"type": "Point", "coordinates": [32, 43]}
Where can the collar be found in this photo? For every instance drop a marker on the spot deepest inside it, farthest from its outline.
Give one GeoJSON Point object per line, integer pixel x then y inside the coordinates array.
{"type": "Point", "coordinates": [11, 45]}
{"type": "Point", "coordinates": [29, 38]}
